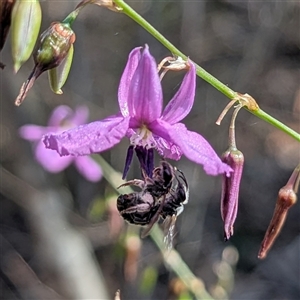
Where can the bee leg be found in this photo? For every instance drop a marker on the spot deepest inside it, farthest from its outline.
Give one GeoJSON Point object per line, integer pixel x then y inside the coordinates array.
{"type": "Point", "coordinates": [147, 179]}
{"type": "Point", "coordinates": [181, 176]}
{"type": "Point", "coordinates": [184, 179]}
{"type": "Point", "coordinates": [154, 219]}
{"type": "Point", "coordinates": [136, 182]}
{"type": "Point", "coordinates": [185, 193]}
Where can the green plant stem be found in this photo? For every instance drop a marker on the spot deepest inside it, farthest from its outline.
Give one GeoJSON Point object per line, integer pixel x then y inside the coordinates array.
{"type": "Point", "coordinates": [228, 92]}
{"type": "Point", "coordinates": [200, 71]}
{"type": "Point", "coordinates": [172, 258]}
{"type": "Point", "coordinates": [71, 17]}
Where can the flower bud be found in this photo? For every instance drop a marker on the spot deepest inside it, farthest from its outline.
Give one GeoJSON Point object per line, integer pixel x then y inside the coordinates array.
{"type": "Point", "coordinates": [58, 76]}
{"type": "Point", "coordinates": [25, 27]}
{"type": "Point", "coordinates": [286, 199]}
{"type": "Point", "coordinates": [6, 7]}
{"type": "Point", "coordinates": [53, 47]}
{"type": "Point", "coordinates": [230, 189]}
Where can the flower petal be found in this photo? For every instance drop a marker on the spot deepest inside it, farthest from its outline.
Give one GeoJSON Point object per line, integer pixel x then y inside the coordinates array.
{"type": "Point", "coordinates": [132, 63]}
{"type": "Point", "coordinates": [80, 115]}
{"type": "Point", "coordinates": [168, 149]}
{"type": "Point", "coordinates": [32, 132]}
{"type": "Point", "coordinates": [88, 168]}
{"type": "Point", "coordinates": [164, 145]}
{"type": "Point", "coordinates": [90, 138]}
{"type": "Point", "coordinates": [195, 147]}
{"type": "Point", "coordinates": [181, 104]}
{"type": "Point", "coordinates": [59, 114]}
{"type": "Point", "coordinates": [145, 92]}
{"type": "Point", "coordinates": [51, 161]}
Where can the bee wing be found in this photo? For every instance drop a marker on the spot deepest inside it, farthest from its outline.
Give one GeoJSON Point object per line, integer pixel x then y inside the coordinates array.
{"type": "Point", "coordinates": [147, 230]}
{"type": "Point", "coordinates": [154, 219]}
{"type": "Point", "coordinates": [169, 226]}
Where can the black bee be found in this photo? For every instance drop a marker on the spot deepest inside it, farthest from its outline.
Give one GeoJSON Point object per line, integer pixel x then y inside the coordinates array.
{"type": "Point", "coordinates": [140, 207]}
{"type": "Point", "coordinates": [161, 196]}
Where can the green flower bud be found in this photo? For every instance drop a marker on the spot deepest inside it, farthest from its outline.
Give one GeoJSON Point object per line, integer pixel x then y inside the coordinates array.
{"type": "Point", "coordinates": [59, 75]}
{"type": "Point", "coordinates": [54, 45]}
{"type": "Point", "coordinates": [25, 27]}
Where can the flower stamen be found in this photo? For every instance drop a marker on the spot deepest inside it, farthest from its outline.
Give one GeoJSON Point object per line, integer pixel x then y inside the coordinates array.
{"type": "Point", "coordinates": [143, 137]}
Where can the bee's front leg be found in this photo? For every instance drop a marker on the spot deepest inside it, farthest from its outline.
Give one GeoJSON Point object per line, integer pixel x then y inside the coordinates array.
{"type": "Point", "coordinates": [136, 182]}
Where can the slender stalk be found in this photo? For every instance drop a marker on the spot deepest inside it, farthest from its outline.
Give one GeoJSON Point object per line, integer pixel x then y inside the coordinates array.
{"type": "Point", "coordinates": [71, 17]}
{"type": "Point", "coordinates": [126, 9]}
{"type": "Point", "coordinates": [172, 258]}
{"type": "Point", "coordinates": [231, 136]}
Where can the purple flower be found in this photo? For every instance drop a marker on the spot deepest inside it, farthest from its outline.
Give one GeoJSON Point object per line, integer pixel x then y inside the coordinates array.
{"type": "Point", "coordinates": [143, 121]}
{"type": "Point", "coordinates": [61, 119]}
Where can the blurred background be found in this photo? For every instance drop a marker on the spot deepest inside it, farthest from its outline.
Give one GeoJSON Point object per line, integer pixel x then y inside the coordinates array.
{"type": "Point", "coordinates": [61, 236]}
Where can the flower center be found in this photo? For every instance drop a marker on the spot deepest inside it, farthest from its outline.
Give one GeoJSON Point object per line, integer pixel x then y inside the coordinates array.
{"type": "Point", "coordinates": [66, 124]}
{"type": "Point", "coordinates": [143, 137]}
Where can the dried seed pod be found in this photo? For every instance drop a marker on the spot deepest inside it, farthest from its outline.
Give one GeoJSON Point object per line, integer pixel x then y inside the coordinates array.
{"type": "Point", "coordinates": [25, 27]}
